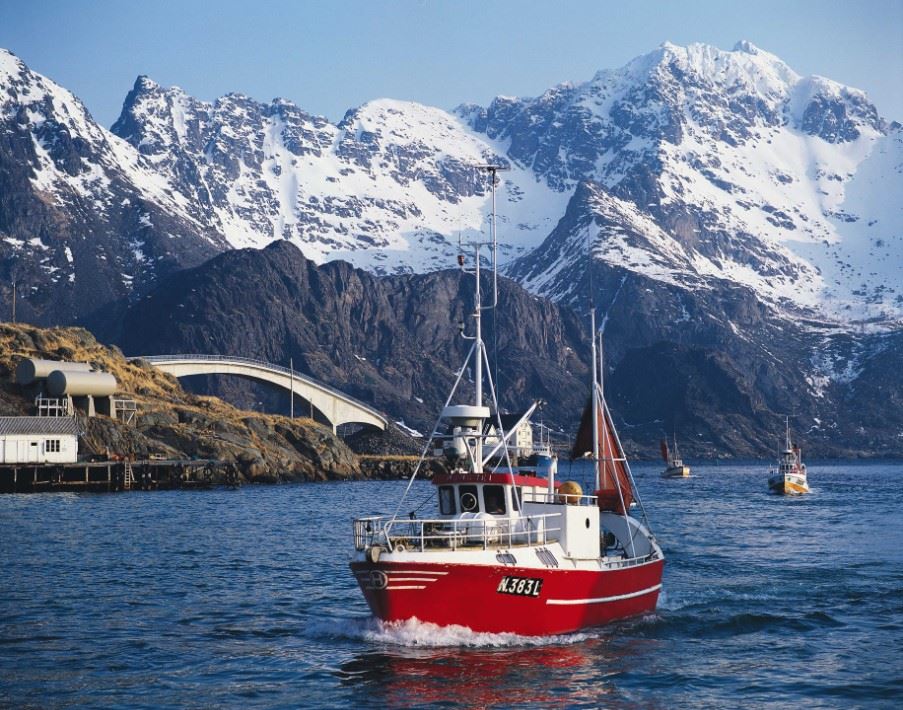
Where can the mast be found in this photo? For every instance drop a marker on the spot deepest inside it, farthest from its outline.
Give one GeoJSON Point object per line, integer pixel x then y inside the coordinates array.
{"type": "Point", "coordinates": [466, 423]}
{"type": "Point", "coordinates": [481, 350]}
{"type": "Point", "coordinates": [595, 403]}
{"type": "Point", "coordinates": [478, 365]}
{"type": "Point", "coordinates": [607, 457]}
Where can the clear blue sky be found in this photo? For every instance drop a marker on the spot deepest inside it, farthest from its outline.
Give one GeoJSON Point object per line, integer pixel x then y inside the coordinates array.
{"type": "Point", "coordinates": [330, 56]}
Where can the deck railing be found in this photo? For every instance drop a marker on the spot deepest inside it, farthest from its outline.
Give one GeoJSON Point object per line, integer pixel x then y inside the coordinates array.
{"type": "Point", "coordinates": [399, 535]}
{"type": "Point", "coordinates": [559, 498]}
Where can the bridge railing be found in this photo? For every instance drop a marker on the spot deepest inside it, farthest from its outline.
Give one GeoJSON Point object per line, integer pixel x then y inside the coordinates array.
{"type": "Point", "coordinates": [265, 365]}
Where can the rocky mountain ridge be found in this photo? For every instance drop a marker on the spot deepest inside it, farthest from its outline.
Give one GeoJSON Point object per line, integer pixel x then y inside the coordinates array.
{"type": "Point", "coordinates": [393, 341]}
{"type": "Point", "coordinates": [390, 187]}
{"type": "Point", "coordinates": [720, 165]}
{"type": "Point", "coordinates": [84, 220]}
{"type": "Point", "coordinates": [713, 165]}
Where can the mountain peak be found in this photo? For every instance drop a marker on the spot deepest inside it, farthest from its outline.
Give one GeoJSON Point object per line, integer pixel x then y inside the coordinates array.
{"type": "Point", "coordinates": [145, 83]}
{"type": "Point", "coordinates": [10, 64]}
{"type": "Point", "coordinates": [747, 47]}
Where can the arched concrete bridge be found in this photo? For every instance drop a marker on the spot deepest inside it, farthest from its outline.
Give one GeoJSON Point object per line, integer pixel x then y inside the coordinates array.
{"type": "Point", "coordinates": [336, 406]}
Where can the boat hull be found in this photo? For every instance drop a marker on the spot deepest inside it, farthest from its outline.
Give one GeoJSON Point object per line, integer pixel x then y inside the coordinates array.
{"type": "Point", "coordinates": [789, 486]}
{"type": "Point", "coordinates": [490, 598]}
{"type": "Point", "coordinates": [676, 472]}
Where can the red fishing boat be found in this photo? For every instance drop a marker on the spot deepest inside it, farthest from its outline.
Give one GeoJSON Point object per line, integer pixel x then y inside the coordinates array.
{"type": "Point", "coordinates": [508, 550]}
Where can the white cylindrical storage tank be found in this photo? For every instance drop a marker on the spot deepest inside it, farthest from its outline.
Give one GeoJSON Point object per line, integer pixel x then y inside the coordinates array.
{"type": "Point", "coordinates": [79, 384]}
{"type": "Point", "coordinates": [33, 368]}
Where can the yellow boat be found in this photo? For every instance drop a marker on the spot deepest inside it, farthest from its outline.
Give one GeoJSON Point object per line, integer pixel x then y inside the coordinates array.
{"type": "Point", "coordinates": [674, 465]}
{"type": "Point", "coordinates": [790, 476]}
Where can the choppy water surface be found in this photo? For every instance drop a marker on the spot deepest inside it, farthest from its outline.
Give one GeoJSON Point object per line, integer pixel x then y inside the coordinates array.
{"type": "Point", "coordinates": [226, 598]}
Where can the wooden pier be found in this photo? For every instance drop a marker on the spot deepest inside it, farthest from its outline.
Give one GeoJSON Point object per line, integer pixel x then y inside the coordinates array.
{"type": "Point", "coordinates": [121, 475]}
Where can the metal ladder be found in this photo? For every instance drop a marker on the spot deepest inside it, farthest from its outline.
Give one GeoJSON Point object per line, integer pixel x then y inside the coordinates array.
{"type": "Point", "coordinates": [128, 478]}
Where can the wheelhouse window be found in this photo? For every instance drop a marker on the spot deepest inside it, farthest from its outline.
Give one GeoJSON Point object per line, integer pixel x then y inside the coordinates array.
{"type": "Point", "coordinates": [468, 497]}
{"type": "Point", "coordinates": [447, 500]}
{"type": "Point", "coordinates": [52, 446]}
{"type": "Point", "coordinates": [494, 499]}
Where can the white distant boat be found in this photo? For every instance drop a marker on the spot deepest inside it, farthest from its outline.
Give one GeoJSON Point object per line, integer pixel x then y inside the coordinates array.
{"type": "Point", "coordinates": [790, 476]}
{"type": "Point", "coordinates": [674, 465]}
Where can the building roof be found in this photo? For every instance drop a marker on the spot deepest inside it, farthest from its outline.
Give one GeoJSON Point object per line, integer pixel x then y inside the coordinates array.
{"type": "Point", "coordinates": [508, 422]}
{"type": "Point", "coordinates": [38, 425]}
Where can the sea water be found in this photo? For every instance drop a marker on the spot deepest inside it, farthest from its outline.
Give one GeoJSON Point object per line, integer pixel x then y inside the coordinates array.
{"type": "Point", "coordinates": [244, 598]}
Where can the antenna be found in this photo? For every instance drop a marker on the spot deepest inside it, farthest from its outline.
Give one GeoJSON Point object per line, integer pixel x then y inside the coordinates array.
{"type": "Point", "coordinates": [493, 170]}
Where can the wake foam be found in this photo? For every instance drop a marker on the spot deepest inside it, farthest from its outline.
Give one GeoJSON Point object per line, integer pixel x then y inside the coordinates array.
{"type": "Point", "coordinates": [415, 633]}
{"type": "Point", "coordinates": [676, 600]}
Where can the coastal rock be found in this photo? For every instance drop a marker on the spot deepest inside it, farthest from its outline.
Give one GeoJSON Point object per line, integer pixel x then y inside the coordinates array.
{"type": "Point", "coordinates": [172, 423]}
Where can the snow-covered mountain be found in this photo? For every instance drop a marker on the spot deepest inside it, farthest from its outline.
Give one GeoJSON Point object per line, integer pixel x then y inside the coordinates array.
{"type": "Point", "coordinates": [703, 166]}
{"type": "Point", "coordinates": [711, 165]}
{"type": "Point", "coordinates": [745, 222]}
{"type": "Point", "coordinates": [84, 219]}
{"type": "Point", "coordinates": [706, 164]}
{"type": "Point", "coordinates": [390, 188]}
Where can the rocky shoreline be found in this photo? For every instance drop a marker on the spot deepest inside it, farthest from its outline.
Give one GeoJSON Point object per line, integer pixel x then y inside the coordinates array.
{"type": "Point", "coordinates": [172, 423]}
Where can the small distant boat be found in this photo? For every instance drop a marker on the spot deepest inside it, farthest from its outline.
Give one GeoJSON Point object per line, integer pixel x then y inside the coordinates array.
{"type": "Point", "coordinates": [544, 458]}
{"type": "Point", "coordinates": [674, 465]}
{"type": "Point", "coordinates": [790, 476]}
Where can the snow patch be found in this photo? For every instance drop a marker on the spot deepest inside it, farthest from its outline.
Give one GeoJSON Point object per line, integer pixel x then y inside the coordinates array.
{"type": "Point", "coordinates": [413, 433]}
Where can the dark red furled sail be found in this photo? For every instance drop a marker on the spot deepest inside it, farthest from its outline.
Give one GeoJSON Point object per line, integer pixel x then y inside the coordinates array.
{"type": "Point", "coordinates": [664, 446]}
{"type": "Point", "coordinates": [614, 481]}
{"type": "Point", "coordinates": [583, 445]}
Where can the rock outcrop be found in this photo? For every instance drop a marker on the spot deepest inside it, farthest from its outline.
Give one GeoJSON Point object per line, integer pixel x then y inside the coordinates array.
{"type": "Point", "coordinates": [391, 341]}
{"type": "Point", "coordinates": [173, 423]}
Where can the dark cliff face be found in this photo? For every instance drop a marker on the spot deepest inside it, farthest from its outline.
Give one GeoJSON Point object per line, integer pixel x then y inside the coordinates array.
{"type": "Point", "coordinates": [392, 341]}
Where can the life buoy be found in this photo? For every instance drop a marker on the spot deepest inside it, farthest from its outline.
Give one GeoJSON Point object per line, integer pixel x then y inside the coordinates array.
{"type": "Point", "coordinates": [469, 502]}
{"type": "Point", "coordinates": [399, 547]}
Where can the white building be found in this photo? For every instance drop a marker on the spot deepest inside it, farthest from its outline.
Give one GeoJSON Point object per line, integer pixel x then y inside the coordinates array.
{"type": "Point", "coordinates": [522, 441]}
{"type": "Point", "coordinates": [25, 440]}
